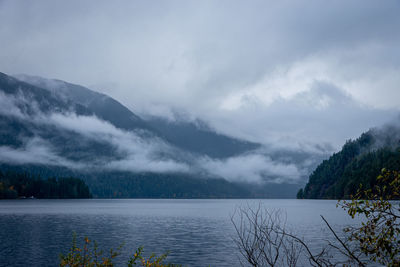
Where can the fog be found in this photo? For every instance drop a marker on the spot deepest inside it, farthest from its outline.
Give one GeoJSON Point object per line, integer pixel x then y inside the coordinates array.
{"type": "Point", "coordinates": [135, 153]}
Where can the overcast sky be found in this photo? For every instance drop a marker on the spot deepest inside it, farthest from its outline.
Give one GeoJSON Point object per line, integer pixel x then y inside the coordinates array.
{"type": "Point", "coordinates": [277, 72]}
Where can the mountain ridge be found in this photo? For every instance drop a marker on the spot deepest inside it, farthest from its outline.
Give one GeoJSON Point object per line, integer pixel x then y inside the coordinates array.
{"type": "Point", "coordinates": [67, 129]}
{"type": "Point", "coordinates": [359, 162]}
{"type": "Point", "coordinates": [111, 110]}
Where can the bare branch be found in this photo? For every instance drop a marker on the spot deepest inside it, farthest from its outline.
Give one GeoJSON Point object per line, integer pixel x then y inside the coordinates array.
{"type": "Point", "coordinates": [350, 253]}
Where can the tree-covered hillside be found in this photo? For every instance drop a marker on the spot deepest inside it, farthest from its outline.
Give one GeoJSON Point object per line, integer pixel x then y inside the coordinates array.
{"type": "Point", "coordinates": [359, 162]}
{"type": "Point", "coordinates": [21, 184]}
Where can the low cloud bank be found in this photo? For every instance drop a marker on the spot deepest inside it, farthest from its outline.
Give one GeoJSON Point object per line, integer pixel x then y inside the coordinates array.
{"type": "Point", "coordinates": [36, 151]}
{"type": "Point", "coordinates": [253, 168]}
{"type": "Point", "coordinates": [136, 153]}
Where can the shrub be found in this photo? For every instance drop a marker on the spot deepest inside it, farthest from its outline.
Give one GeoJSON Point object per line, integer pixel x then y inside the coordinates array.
{"type": "Point", "coordinates": [90, 256]}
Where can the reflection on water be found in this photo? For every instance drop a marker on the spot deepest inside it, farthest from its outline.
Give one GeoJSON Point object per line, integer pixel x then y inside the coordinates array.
{"type": "Point", "coordinates": [195, 232]}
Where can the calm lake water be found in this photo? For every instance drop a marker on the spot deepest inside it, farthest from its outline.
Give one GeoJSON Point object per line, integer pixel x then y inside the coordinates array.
{"type": "Point", "coordinates": [195, 232]}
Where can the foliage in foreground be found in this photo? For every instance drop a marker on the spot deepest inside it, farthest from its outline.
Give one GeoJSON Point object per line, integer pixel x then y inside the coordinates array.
{"type": "Point", "coordinates": [263, 239]}
{"type": "Point", "coordinates": [379, 236]}
{"type": "Point", "coordinates": [90, 256]}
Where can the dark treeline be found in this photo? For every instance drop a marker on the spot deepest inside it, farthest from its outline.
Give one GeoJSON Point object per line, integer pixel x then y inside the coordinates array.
{"type": "Point", "coordinates": [119, 184]}
{"type": "Point", "coordinates": [174, 185]}
{"type": "Point", "coordinates": [22, 184]}
{"type": "Point", "coordinates": [357, 163]}
{"type": "Point", "coordinates": [151, 185]}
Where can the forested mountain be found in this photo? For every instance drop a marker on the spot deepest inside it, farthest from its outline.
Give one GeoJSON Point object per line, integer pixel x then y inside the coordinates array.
{"type": "Point", "coordinates": [193, 137]}
{"type": "Point", "coordinates": [359, 162]}
{"type": "Point", "coordinates": [25, 104]}
{"type": "Point", "coordinates": [56, 129]}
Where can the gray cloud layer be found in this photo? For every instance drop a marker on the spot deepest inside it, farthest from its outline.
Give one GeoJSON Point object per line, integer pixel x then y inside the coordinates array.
{"type": "Point", "coordinates": [293, 73]}
{"type": "Point", "coordinates": [36, 151]}
{"type": "Point", "coordinates": [140, 155]}
{"type": "Point", "coordinates": [254, 168]}
{"type": "Point", "coordinates": [137, 153]}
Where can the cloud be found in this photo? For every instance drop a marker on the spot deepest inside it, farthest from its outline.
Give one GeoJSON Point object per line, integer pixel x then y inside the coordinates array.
{"type": "Point", "coordinates": [140, 154]}
{"type": "Point", "coordinates": [386, 136]}
{"type": "Point", "coordinates": [268, 164]}
{"type": "Point", "coordinates": [177, 53]}
{"type": "Point", "coordinates": [8, 106]}
{"type": "Point", "coordinates": [253, 168]}
{"type": "Point", "coordinates": [315, 113]}
{"type": "Point", "coordinates": [137, 154]}
{"type": "Point", "coordinates": [36, 151]}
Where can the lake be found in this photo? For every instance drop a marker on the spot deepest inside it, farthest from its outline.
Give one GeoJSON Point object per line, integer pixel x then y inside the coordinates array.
{"type": "Point", "coordinates": [195, 232]}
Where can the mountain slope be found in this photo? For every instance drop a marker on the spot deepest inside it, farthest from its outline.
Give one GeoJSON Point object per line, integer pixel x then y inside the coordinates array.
{"type": "Point", "coordinates": [359, 162]}
{"type": "Point", "coordinates": [69, 130]}
{"type": "Point", "coordinates": [102, 106]}
{"type": "Point", "coordinates": [199, 138]}
{"type": "Point", "coordinates": [25, 119]}
{"type": "Point", "coordinates": [51, 127]}
{"type": "Point", "coordinates": [193, 137]}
